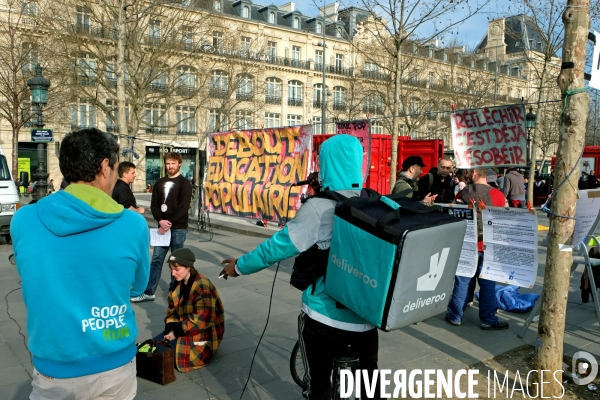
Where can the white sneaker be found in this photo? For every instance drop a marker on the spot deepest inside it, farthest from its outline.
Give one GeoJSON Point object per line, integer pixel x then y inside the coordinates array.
{"type": "Point", "coordinates": [142, 297]}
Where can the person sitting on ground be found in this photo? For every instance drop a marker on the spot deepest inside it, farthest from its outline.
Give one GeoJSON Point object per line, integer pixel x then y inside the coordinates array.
{"type": "Point", "coordinates": [195, 320]}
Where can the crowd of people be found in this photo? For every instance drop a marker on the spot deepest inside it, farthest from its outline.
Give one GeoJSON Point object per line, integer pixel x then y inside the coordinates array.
{"type": "Point", "coordinates": [98, 206]}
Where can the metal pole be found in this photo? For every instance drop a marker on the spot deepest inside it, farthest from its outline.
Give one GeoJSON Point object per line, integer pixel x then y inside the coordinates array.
{"type": "Point", "coordinates": [529, 150]}
{"type": "Point", "coordinates": [324, 95]}
{"type": "Point", "coordinates": [496, 77]}
{"type": "Point", "coordinates": [40, 176]}
{"type": "Point", "coordinates": [595, 114]}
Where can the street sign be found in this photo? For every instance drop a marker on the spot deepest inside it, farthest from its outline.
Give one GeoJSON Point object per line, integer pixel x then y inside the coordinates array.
{"type": "Point", "coordinates": [41, 135]}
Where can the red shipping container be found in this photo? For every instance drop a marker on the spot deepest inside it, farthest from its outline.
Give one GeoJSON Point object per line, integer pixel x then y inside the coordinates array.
{"type": "Point", "coordinates": [431, 150]}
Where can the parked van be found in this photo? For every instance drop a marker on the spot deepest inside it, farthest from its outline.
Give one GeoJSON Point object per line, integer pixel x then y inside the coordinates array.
{"type": "Point", "coordinates": [9, 197]}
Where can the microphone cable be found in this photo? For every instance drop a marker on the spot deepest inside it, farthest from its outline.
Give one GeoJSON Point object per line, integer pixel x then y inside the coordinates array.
{"type": "Point", "coordinates": [269, 311]}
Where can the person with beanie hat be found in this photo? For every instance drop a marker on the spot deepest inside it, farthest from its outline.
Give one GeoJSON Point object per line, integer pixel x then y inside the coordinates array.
{"type": "Point", "coordinates": [195, 321]}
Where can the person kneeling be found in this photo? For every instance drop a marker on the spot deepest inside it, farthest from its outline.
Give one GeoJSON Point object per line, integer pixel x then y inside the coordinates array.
{"type": "Point", "coordinates": [194, 324]}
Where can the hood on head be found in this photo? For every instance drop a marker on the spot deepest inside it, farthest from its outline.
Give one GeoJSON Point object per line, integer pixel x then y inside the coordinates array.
{"type": "Point", "coordinates": [340, 163]}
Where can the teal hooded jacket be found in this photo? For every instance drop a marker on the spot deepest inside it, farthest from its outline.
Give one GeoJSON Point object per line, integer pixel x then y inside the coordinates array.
{"type": "Point", "coordinates": [340, 161]}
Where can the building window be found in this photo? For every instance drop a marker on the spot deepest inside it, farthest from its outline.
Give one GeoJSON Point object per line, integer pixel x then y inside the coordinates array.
{"type": "Point", "coordinates": [376, 127]}
{"type": "Point", "coordinates": [244, 88]}
{"type": "Point", "coordinates": [187, 37]}
{"type": "Point", "coordinates": [295, 93]}
{"type": "Point", "coordinates": [272, 120]}
{"type": "Point", "coordinates": [272, 17]}
{"type": "Point", "coordinates": [245, 43]}
{"type": "Point", "coordinates": [154, 31]}
{"type": "Point", "coordinates": [243, 120]}
{"type": "Point", "coordinates": [431, 77]}
{"type": "Point", "coordinates": [373, 104]}
{"type": "Point", "coordinates": [219, 84]}
{"type": "Point", "coordinates": [319, 60]}
{"type": "Point", "coordinates": [159, 83]}
{"type": "Point", "coordinates": [86, 70]}
{"type": "Point", "coordinates": [29, 8]}
{"type": "Point", "coordinates": [185, 80]}
{"type": "Point", "coordinates": [319, 27]}
{"type": "Point", "coordinates": [112, 117]}
{"type": "Point", "coordinates": [446, 79]}
{"type": "Point", "coordinates": [318, 95]}
{"type": "Point", "coordinates": [296, 24]}
{"type": "Point", "coordinates": [30, 58]}
{"type": "Point", "coordinates": [83, 115]}
{"type": "Point", "coordinates": [246, 12]}
{"type": "Point", "coordinates": [83, 16]}
{"type": "Point", "coordinates": [414, 106]}
{"type": "Point", "coordinates": [217, 40]}
{"type": "Point", "coordinates": [339, 98]}
{"type": "Point", "coordinates": [293, 120]}
{"type": "Point", "coordinates": [272, 50]}
{"type": "Point", "coordinates": [317, 126]}
{"type": "Point", "coordinates": [339, 63]}
{"type": "Point", "coordinates": [217, 121]}
{"type": "Point", "coordinates": [217, 5]}
{"type": "Point", "coordinates": [415, 76]}
{"type": "Point", "coordinates": [273, 91]}
{"type": "Point", "coordinates": [296, 53]}
{"type": "Point", "coordinates": [185, 120]}
{"type": "Point", "coordinates": [156, 118]}
{"type": "Point", "coordinates": [338, 33]}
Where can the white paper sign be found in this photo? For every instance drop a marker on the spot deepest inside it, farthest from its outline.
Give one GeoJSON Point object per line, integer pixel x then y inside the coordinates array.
{"type": "Point", "coordinates": [595, 80]}
{"type": "Point", "coordinates": [588, 206]}
{"type": "Point", "coordinates": [158, 239]}
{"type": "Point", "coordinates": [467, 262]}
{"type": "Point", "coordinates": [510, 244]}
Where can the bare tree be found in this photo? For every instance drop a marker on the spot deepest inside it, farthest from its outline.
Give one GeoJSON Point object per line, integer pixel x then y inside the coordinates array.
{"type": "Point", "coordinates": [392, 24]}
{"type": "Point", "coordinates": [20, 45]}
{"type": "Point", "coordinates": [558, 261]}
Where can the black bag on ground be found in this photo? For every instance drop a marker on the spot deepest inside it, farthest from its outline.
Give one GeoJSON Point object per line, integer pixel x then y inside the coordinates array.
{"type": "Point", "coordinates": [157, 365]}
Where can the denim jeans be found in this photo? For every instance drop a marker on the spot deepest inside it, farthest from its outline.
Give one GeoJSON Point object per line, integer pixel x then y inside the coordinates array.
{"type": "Point", "coordinates": [158, 259]}
{"type": "Point", "coordinates": [463, 293]}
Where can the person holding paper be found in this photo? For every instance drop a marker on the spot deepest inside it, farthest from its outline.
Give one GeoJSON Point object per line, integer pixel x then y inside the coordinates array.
{"type": "Point", "coordinates": [195, 320]}
{"type": "Point", "coordinates": [170, 203]}
{"type": "Point", "coordinates": [479, 191]}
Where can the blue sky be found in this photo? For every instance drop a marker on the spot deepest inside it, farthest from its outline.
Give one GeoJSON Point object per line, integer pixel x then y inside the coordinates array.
{"type": "Point", "coordinates": [470, 33]}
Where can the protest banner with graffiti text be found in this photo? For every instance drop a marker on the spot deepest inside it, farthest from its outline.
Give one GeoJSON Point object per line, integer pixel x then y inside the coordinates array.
{"type": "Point", "coordinates": [250, 173]}
{"type": "Point", "coordinates": [362, 131]}
{"type": "Point", "coordinates": [490, 137]}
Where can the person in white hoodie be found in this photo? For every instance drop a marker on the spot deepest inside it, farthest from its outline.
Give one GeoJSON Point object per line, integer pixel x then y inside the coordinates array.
{"type": "Point", "coordinates": [322, 325]}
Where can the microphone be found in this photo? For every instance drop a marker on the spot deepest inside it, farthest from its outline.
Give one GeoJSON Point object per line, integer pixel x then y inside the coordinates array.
{"type": "Point", "coordinates": [301, 183]}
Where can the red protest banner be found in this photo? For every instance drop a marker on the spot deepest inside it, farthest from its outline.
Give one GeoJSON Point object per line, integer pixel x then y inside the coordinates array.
{"type": "Point", "coordinates": [490, 137]}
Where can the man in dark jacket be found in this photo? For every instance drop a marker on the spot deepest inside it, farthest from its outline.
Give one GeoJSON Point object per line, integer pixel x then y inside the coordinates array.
{"type": "Point", "coordinates": [122, 193]}
{"type": "Point", "coordinates": [407, 180]}
{"type": "Point", "coordinates": [438, 183]}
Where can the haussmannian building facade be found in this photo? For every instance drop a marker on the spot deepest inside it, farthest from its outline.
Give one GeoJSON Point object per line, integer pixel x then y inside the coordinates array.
{"type": "Point", "coordinates": [196, 67]}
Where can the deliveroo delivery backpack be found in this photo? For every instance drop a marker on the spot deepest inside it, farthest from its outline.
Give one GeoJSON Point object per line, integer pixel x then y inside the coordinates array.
{"type": "Point", "coordinates": [392, 261]}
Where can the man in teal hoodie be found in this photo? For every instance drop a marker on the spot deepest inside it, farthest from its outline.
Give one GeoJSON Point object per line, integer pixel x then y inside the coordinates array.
{"type": "Point", "coordinates": [322, 326]}
{"type": "Point", "coordinates": [80, 324]}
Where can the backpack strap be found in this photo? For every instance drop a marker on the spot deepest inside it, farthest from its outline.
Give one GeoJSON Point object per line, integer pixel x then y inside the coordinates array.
{"type": "Point", "coordinates": [331, 195]}
{"type": "Point", "coordinates": [396, 214]}
{"type": "Point", "coordinates": [430, 175]}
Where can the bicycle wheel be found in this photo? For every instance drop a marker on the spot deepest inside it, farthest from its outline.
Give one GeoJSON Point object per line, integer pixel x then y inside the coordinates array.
{"type": "Point", "coordinates": [297, 366]}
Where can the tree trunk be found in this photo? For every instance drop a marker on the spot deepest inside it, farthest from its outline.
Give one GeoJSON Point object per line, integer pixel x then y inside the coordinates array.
{"type": "Point", "coordinates": [396, 106]}
{"type": "Point", "coordinates": [572, 133]}
{"type": "Point", "coordinates": [15, 152]}
{"type": "Point", "coordinates": [120, 71]}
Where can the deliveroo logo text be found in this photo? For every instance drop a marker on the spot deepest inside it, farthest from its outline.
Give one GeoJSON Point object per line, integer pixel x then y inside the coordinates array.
{"type": "Point", "coordinates": [430, 280]}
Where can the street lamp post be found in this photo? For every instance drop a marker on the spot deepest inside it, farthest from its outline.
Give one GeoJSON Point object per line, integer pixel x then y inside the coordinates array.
{"type": "Point", "coordinates": [324, 92]}
{"type": "Point", "coordinates": [38, 85]}
{"type": "Point", "coordinates": [530, 120]}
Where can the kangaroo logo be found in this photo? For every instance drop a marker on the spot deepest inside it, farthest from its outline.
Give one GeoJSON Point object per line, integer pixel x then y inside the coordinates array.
{"type": "Point", "coordinates": [430, 280]}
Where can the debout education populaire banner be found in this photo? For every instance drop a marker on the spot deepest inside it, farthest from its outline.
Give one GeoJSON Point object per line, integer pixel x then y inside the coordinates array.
{"type": "Point", "coordinates": [250, 173]}
{"type": "Point", "coordinates": [361, 130]}
{"type": "Point", "coordinates": [490, 137]}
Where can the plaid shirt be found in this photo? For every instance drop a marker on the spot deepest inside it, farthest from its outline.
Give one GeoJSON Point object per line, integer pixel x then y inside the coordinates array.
{"type": "Point", "coordinates": [202, 319]}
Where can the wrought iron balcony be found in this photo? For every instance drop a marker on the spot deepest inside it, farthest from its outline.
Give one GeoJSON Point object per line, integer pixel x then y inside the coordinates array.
{"type": "Point", "coordinates": [271, 99]}
{"type": "Point", "coordinates": [295, 102]}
